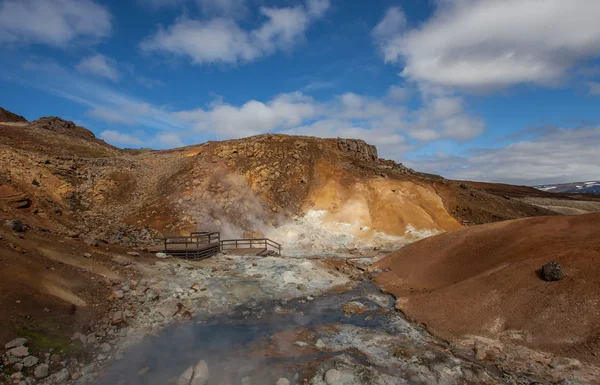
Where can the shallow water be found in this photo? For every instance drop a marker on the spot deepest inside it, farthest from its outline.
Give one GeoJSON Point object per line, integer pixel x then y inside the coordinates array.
{"type": "Point", "coordinates": [242, 343]}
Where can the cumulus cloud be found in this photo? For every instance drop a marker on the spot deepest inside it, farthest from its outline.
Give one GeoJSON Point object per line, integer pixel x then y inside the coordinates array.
{"type": "Point", "coordinates": [253, 117]}
{"type": "Point", "coordinates": [556, 156]}
{"type": "Point", "coordinates": [99, 65]}
{"type": "Point", "coordinates": [222, 40]}
{"type": "Point", "coordinates": [493, 43]}
{"type": "Point", "coordinates": [385, 121]}
{"type": "Point", "coordinates": [53, 22]}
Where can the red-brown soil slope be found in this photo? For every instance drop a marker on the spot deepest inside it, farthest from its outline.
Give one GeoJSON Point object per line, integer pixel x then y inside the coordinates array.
{"type": "Point", "coordinates": [484, 281]}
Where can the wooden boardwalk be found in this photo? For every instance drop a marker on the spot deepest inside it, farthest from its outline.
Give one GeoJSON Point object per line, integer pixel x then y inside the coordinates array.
{"type": "Point", "coordinates": [201, 245]}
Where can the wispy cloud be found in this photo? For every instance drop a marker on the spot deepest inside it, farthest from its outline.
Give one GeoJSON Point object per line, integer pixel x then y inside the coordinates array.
{"type": "Point", "coordinates": [100, 65]}
{"type": "Point", "coordinates": [594, 88]}
{"type": "Point", "coordinates": [316, 85]}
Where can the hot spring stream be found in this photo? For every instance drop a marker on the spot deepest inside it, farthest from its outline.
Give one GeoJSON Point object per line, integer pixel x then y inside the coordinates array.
{"type": "Point", "coordinates": [358, 333]}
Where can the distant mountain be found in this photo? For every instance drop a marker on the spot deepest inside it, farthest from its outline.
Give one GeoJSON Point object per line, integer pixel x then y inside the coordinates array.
{"type": "Point", "coordinates": [590, 187]}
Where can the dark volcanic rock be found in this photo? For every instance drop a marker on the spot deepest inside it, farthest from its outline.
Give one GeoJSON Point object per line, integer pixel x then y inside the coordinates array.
{"type": "Point", "coordinates": [16, 225]}
{"type": "Point", "coordinates": [552, 272]}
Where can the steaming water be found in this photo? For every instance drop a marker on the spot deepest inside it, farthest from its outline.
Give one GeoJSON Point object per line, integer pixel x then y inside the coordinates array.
{"type": "Point", "coordinates": [228, 343]}
{"type": "Point", "coordinates": [312, 233]}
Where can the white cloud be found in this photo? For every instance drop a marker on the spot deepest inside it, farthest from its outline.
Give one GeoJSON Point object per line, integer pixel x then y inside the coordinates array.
{"type": "Point", "coordinates": [108, 115]}
{"type": "Point", "coordinates": [99, 65]}
{"type": "Point", "coordinates": [253, 117]}
{"type": "Point", "coordinates": [493, 43]}
{"type": "Point", "coordinates": [559, 155]}
{"type": "Point", "coordinates": [168, 140]}
{"type": "Point", "coordinates": [118, 138]}
{"type": "Point", "coordinates": [53, 22]}
{"type": "Point", "coordinates": [222, 40]}
{"type": "Point", "coordinates": [384, 121]}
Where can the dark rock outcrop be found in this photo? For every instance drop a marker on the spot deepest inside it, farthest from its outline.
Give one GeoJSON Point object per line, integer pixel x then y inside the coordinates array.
{"type": "Point", "coordinates": [552, 271]}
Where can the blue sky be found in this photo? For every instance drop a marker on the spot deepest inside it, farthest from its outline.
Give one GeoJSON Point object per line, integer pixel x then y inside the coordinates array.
{"type": "Point", "coordinates": [470, 89]}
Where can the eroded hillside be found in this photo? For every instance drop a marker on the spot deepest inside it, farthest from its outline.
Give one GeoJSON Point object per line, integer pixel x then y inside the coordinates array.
{"type": "Point", "coordinates": [304, 191]}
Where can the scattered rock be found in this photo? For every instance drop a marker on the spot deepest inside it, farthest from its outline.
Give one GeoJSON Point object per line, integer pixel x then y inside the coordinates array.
{"type": "Point", "coordinates": [161, 255]}
{"type": "Point", "coordinates": [105, 347]}
{"type": "Point", "coordinates": [353, 308]}
{"type": "Point", "coordinates": [87, 255]}
{"type": "Point", "coordinates": [201, 374]}
{"type": "Point", "coordinates": [20, 351]}
{"type": "Point", "coordinates": [41, 371]}
{"type": "Point", "coordinates": [16, 225]}
{"type": "Point", "coordinates": [30, 361]}
{"type": "Point", "coordinates": [58, 358]}
{"type": "Point", "coordinates": [133, 253]}
{"type": "Point", "coordinates": [16, 343]}
{"type": "Point", "coordinates": [195, 287]}
{"type": "Point", "coordinates": [186, 377]}
{"type": "Point", "coordinates": [117, 318]}
{"type": "Point", "coordinates": [17, 367]}
{"type": "Point", "coordinates": [320, 345]}
{"type": "Point", "coordinates": [91, 242]}
{"type": "Point", "coordinates": [552, 272]}
{"type": "Point", "coordinates": [61, 376]}
{"type": "Point", "coordinates": [168, 308]}
{"type": "Point", "coordinates": [332, 376]}
{"type": "Point", "coordinates": [151, 295]}
{"type": "Point", "coordinates": [283, 381]}
{"type": "Point", "coordinates": [121, 260]}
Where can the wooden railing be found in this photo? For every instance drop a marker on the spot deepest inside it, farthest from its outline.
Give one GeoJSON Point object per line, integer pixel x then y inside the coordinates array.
{"type": "Point", "coordinates": [200, 245]}
{"type": "Point", "coordinates": [265, 244]}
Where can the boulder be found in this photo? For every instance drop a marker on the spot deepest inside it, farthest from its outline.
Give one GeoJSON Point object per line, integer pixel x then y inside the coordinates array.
{"type": "Point", "coordinates": [552, 271]}
{"type": "Point", "coordinates": [283, 381]}
{"type": "Point", "coordinates": [161, 255]}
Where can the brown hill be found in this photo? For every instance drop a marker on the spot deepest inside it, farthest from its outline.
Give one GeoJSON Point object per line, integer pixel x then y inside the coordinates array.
{"type": "Point", "coordinates": [484, 281]}
{"type": "Point", "coordinates": [7, 116]}
{"type": "Point", "coordinates": [75, 183]}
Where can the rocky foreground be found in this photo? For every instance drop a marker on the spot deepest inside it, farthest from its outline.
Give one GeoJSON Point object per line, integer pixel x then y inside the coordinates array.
{"type": "Point", "coordinates": [248, 320]}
